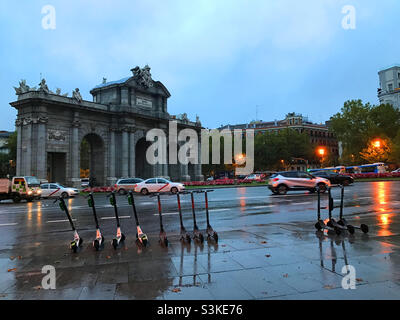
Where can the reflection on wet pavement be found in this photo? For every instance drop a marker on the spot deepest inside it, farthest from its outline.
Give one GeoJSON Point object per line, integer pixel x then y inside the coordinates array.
{"type": "Point", "coordinates": [268, 249]}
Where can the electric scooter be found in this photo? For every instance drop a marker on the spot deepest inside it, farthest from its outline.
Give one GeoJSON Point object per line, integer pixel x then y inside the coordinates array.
{"type": "Point", "coordinates": [163, 241]}
{"type": "Point", "coordinates": [141, 238]}
{"type": "Point", "coordinates": [211, 234]}
{"type": "Point", "coordinates": [185, 236]}
{"type": "Point", "coordinates": [98, 242]}
{"type": "Point", "coordinates": [77, 242]}
{"type": "Point", "coordinates": [197, 235]}
{"type": "Point", "coordinates": [332, 222]}
{"type": "Point", "coordinates": [320, 224]}
{"type": "Point", "coordinates": [343, 222]}
{"type": "Point", "coordinates": [120, 237]}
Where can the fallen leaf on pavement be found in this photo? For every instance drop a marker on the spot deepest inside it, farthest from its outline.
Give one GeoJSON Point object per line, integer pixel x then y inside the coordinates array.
{"type": "Point", "coordinates": [19, 257]}
{"type": "Point", "coordinates": [286, 275]}
{"type": "Point", "coordinates": [176, 290]}
{"type": "Point", "coordinates": [328, 286]}
{"type": "Point", "coordinates": [12, 258]}
{"type": "Point", "coordinates": [359, 280]}
{"type": "Point", "coordinates": [108, 257]}
{"type": "Point", "coordinates": [263, 242]}
{"type": "Point", "coordinates": [37, 287]}
{"type": "Point", "coordinates": [268, 255]}
{"type": "Point", "coordinates": [13, 269]}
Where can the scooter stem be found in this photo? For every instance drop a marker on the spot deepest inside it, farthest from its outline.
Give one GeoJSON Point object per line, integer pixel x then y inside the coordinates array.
{"type": "Point", "coordinates": [341, 202]}
{"type": "Point", "coordinates": [159, 211]}
{"type": "Point", "coordinates": [115, 209]}
{"type": "Point", "coordinates": [179, 209]}
{"type": "Point", "coordinates": [194, 215]}
{"type": "Point", "coordinates": [134, 208]}
{"type": "Point", "coordinates": [208, 218]}
{"type": "Point", "coordinates": [319, 203]}
{"type": "Point", "coordinates": [94, 210]}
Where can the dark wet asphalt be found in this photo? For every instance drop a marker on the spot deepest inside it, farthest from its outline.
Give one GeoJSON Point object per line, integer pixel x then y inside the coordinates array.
{"type": "Point", "coordinates": [268, 248]}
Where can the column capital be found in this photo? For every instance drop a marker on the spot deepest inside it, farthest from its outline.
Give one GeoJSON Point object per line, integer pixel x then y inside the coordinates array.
{"type": "Point", "coordinates": [18, 122]}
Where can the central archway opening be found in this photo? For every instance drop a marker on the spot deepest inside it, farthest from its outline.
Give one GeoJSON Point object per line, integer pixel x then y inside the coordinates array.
{"type": "Point", "coordinates": [92, 159]}
{"type": "Point", "coordinates": [144, 170]}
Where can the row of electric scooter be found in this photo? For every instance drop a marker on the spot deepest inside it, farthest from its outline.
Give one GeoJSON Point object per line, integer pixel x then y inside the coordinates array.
{"type": "Point", "coordinates": [141, 237]}
{"type": "Point", "coordinates": [332, 225]}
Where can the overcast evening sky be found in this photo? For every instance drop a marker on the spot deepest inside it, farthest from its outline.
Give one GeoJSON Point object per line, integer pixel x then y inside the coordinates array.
{"type": "Point", "coordinates": [218, 58]}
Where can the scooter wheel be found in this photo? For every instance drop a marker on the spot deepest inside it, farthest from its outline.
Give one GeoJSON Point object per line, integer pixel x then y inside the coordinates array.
{"type": "Point", "coordinates": [318, 226]}
{"type": "Point", "coordinates": [364, 228]}
{"type": "Point", "coordinates": [96, 244]}
{"type": "Point", "coordinates": [329, 224]}
{"type": "Point", "coordinates": [201, 237]}
{"type": "Point", "coordinates": [114, 243]}
{"type": "Point", "coordinates": [351, 229]}
{"type": "Point", "coordinates": [144, 242]}
{"type": "Point", "coordinates": [80, 242]}
{"type": "Point", "coordinates": [122, 237]}
{"type": "Point", "coordinates": [340, 222]}
{"type": "Point", "coordinates": [337, 230]}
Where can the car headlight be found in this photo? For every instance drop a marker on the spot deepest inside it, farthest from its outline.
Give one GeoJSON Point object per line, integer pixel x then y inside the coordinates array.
{"type": "Point", "coordinates": [29, 192]}
{"type": "Point", "coordinates": [39, 191]}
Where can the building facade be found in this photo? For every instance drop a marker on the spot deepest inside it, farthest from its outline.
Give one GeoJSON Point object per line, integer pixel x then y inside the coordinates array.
{"type": "Point", "coordinates": [389, 86]}
{"type": "Point", "coordinates": [51, 127]}
{"type": "Point", "coordinates": [4, 135]}
{"type": "Point", "coordinates": [319, 134]}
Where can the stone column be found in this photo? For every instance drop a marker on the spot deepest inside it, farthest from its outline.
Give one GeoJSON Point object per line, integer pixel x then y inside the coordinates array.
{"type": "Point", "coordinates": [75, 154]}
{"type": "Point", "coordinates": [111, 167]}
{"type": "Point", "coordinates": [183, 172]}
{"type": "Point", "coordinates": [41, 164]}
{"type": "Point", "coordinates": [27, 148]}
{"type": "Point", "coordinates": [197, 167]}
{"type": "Point", "coordinates": [18, 124]}
{"type": "Point", "coordinates": [165, 171]}
{"type": "Point", "coordinates": [132, 154]}
{"type": "Point", "coordinates": [125, 153]}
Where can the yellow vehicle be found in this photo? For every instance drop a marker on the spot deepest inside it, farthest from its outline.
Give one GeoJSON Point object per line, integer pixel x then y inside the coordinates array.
{"type": "Point", "coordinates": [24, 187]}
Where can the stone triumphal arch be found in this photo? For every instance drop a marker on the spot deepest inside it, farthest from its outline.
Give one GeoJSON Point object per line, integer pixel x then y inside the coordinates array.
{"type": "Point", "coordinates": [54, 129]}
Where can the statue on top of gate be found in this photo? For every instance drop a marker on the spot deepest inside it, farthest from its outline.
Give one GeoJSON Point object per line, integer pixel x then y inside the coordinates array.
{"type": "Point", "coordinates": [143, 76]}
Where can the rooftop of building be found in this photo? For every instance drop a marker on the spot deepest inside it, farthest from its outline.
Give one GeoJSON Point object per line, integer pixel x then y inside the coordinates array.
{"type": "Point", "coordinates": [396, 65]}
{"type": "Point", "coordinates": [259, 124]}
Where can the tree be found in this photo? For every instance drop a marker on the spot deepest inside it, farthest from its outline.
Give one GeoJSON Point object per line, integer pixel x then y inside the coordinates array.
{"type": "Point", "coordinates": [378, 150]}
{"type": "Point", "coordinates": [11, 145]}
{"type": "Point", "coordinates": [357, 124]}
{"type": "Point", "coordinates": [352, 126]}
{"type": "Point", "coordinates": [270, 148]}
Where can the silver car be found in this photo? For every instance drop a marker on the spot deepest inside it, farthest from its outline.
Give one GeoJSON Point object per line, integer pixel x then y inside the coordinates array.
{"type": "Point", "coordinates": [282, 182]}
{"type": "Point", "coordinates": [56, 190]}
{"type": "Point", "coordinates": [158, 185]}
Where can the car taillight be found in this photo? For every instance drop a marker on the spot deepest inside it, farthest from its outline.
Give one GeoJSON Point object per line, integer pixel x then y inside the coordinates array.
{"type": "Point", "coordinates": [115, 186]}
{"type": "Point", "coordinates": [275, 179]}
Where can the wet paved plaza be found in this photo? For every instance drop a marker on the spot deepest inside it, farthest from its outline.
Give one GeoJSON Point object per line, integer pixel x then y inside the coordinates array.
{"type": "Point", "coordinates": [268, 248]}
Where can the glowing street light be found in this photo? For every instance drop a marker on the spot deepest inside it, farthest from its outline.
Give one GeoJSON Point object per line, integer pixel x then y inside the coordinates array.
{"type": "Point", "coordinates": [377, 143]}
{"type": "Point", "coordinates": [240, 159]}
{"type": "Point", "coordinates": [321, 151]}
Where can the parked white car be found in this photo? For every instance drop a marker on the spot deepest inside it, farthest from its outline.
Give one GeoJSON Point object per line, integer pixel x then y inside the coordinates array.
{"type": "Point", "coordinates": [158, 185]}
{"type": "Point", "coordinates": [282, 182]}
{"type": "Point", "coordinates": [55, 190]}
